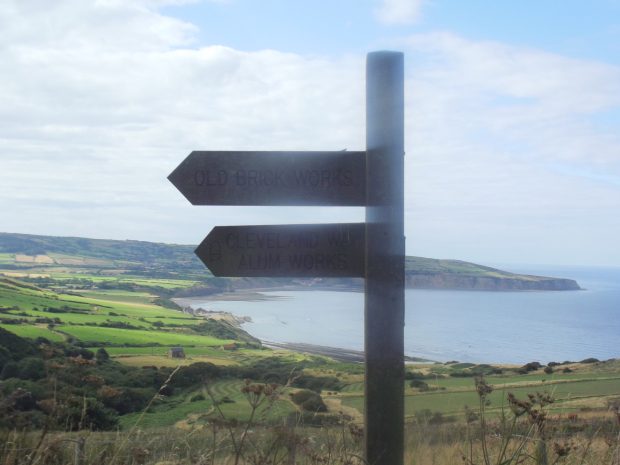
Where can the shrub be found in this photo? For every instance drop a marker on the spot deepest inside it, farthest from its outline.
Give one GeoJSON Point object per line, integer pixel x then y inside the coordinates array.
{"type": "Point", "coordinates": [272, 377]}
{"type": "Point", "coordinates": [532, 366]}
{"type": "Point", "coordinates": [300, 397]}
{"type": "Point", "coordinates": [32, 368]}
{"type": "Point", "coordinates": [548, 370]}
{"type": "Point", "coordinates": [417, 383]}
{"type": "Point", "coordinates": [464, 374]}
{"type": "Point", "coordinates": [13, 384]}
{"type": "Point", "coordinates": [436, 419]}
{"type": "Point", "coordinates": [422, 416]}
{"type": "Point", "coordinates": [102, 355]}
{"type": "Point", "coordinates": [314, 405]}
{"type": "Point", "coordinates": [309, 401]}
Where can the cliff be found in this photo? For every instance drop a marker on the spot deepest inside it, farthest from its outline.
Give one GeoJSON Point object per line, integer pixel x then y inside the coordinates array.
{"type": "Point", "coordinates": [448, 281]}
{"type": "Point", "coordinates": [137, 260]}
{"type": "Point", "coordinates": [429, 273]}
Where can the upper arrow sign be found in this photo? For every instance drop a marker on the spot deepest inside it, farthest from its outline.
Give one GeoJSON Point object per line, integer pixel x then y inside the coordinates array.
{"type": "Point", "coordinates": [273, 178]}
{"type": "Point", "coordinates": [302, 250]}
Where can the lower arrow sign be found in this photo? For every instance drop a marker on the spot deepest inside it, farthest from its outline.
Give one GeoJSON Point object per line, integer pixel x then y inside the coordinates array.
{"type": "Point", "coordinates": [314, 250]}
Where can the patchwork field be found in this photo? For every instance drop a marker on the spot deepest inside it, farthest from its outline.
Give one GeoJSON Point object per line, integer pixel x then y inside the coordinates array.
{"type": "Point", "coordinates": [112, 317]}
{"type": "Point", "coordinates": [450, 395]}
{"type": "Point", "coordinates": [32, 332]}
{"type": "Point", "coordinates": [128, 336]}
{"type": "Point", "coordinates": [115, 294]}
{"type": "Point", "coordinates": [232, 403]}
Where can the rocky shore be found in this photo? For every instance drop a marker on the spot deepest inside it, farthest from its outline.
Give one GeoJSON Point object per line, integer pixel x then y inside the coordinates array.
{"type": "Point", "coordinates": [484, 283]}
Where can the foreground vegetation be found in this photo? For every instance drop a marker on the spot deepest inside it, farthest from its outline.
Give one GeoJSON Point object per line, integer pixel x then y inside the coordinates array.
{"type": "Point", "coordinates": [522, 432]}
{"type": "Point", "coordinates": [84, 367]}
{"type": "Point", "coordinates": [58, 397]}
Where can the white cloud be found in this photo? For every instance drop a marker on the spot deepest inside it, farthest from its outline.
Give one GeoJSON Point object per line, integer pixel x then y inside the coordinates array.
{"type": "Point", "coordinates": [504, 160]}
{"type": "Point", "coordinates": [399, 11]}
{"type": "Point", "coordinates": [90, 25]}
{"type": "Point", "coordinates": [504, 147]}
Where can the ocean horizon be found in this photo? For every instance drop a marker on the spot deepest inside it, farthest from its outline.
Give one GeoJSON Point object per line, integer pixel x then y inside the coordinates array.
{"type": "Point", "coordinates": [446, 325]}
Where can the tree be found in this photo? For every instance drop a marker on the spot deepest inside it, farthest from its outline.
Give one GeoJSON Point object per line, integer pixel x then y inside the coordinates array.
{"type": "Point", "coordinates": [418, 383]}
{"type": "Point", "coordinates": [32, 368]}
{"type": "Point", "coordinates": [102, 355]}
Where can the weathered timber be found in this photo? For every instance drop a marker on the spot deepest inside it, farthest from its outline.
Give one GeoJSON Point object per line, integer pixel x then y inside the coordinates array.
{"type": "Point", "coordinates": [309, 250]}
{"type": "Point", "coordinates": [272, 178]}
{"type": "Point", "coordinates": [384, 317]}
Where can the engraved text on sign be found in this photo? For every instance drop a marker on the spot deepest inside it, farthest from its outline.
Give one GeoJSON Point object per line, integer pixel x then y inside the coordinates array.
{"type": "Point", "coordinates": [309, 250]}
{"type": "Point", "coordinates": [273, 178]}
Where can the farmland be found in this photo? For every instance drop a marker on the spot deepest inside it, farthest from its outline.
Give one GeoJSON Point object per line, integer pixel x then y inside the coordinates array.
{"type": "Point", "coordinates": [572, 392]}
{"type": "Point", "coordinates": [126, 316]}
{"type": "Point", "coordinates": [100, 319]}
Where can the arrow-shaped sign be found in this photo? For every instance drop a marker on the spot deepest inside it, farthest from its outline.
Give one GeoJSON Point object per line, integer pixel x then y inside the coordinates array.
{"type": "Point", "coordinates": [314, 250]}
{"type": "Point", "coordinates": [273, 178]}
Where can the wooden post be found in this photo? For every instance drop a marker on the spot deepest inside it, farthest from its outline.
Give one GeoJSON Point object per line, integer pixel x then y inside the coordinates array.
{"type": "Point", "coordinates": [291, 443]}
{"type": "Point", "coordinates": [385, 265]}
{"type": "Point", "coordinates": [80, 451]}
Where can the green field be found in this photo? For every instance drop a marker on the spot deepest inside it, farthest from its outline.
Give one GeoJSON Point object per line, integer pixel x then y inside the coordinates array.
{"type": "Point", "coordinates": [235, 407]}
{"type": "Point", "coordinates": [80, 317]}
{"type": "Point", "coordinates": [32, 332]}
{"type": "Point", "coordinates": [156, 350]}
{"type": "Point", "coordinates": [84, 296]}
{"type": "Point", "coordinates": [128, 336]}
{"type": "Point", "coordinates": [568, 390]}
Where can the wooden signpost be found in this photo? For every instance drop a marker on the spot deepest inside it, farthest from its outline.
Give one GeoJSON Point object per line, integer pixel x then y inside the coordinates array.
{"type": "Point", "coordinates": [374, 250]}
{"type": "Point", "coordinates": [273, 178]}
{"type": "Point", "coordinates": [301, 250]}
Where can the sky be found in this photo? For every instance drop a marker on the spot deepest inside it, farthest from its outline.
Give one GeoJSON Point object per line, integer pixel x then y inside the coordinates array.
{"type": "Point", "coordinates": [512, 116]}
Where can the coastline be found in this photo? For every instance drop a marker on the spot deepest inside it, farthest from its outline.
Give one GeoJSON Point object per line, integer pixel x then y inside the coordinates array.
{"type": "Point", "coordinates": [465, 318]}
{"type": "Point", "coordinates": [337, 353]}
{"type": "Point", "coordinates": [257, 295]}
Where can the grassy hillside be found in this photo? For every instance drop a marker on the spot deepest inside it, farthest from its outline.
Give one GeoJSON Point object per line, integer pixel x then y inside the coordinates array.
{"type": "Point", "coordinates": [97, 316]}
{"type": "Point", "coordinates": [432, 266]}
{"type": "Point", "coordinates": [109, 252]}
{"type": "Point", "coordinates": [125, 380]}
{"type": "Point", "coordinates": [173, 270]}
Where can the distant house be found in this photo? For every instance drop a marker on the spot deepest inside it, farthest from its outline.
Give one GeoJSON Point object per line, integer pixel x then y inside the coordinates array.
{"type": "Point", "coordinates": [176, 352]}
{"type": "Point", "coordinates": [228, 347]}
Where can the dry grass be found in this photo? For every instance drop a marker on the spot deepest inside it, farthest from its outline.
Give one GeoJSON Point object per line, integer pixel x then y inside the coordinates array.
{"type": "Point", "coordinates": [97, 262]}
{"type": "Point", "coordinates": [521, 437]}
{"type": "Point", "coordinates": [165, 361]}
{"type": "Point", "coordinates": [69, 261]}
{"type": "Point", "coordinates": [10, 274]}
{"type": "Point", "coordinates": [329, 445]}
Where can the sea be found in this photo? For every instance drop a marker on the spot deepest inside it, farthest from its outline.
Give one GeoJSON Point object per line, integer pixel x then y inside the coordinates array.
{"type": "Point", "coordinates": [452, 325]}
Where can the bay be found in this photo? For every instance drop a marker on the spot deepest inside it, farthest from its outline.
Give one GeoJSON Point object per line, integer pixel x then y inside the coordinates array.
{"type": "Point", "coordinates": [468, 326]}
